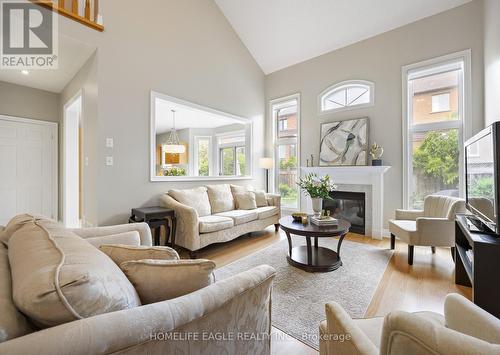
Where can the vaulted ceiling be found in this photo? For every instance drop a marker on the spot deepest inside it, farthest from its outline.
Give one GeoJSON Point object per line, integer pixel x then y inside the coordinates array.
{"type": "Point", "coordinates": [280, 33]}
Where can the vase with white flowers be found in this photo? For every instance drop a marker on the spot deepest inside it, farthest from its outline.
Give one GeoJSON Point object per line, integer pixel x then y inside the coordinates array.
{"type": "Point", "coordinates": [318, 188]}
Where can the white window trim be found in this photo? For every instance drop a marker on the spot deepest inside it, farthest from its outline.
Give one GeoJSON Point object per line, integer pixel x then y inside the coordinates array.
{"type": "Point", "coordinates": [274, 177]}
{"type": "Point", "coordinates": [465, 108]}
{"type": "Point", "coordinates": [336, 86]}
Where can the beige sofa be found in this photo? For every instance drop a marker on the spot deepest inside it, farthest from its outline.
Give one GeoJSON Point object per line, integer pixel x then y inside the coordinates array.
{"type": "Point", "coordinates": [59, 294]}
{"type": "Point", "coordinates": [209, 214]}
{"type": "Point", "coordinates": [464, 329]}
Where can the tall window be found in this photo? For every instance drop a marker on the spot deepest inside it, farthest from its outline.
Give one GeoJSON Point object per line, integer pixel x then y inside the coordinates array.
{"type": "Point", "coordinates": [202, 158]}
{"type": "Point", "coordinates": [285, 113]}
{"type": "Point", "coordinates": [434, 130]}
{"type": "Point", "coordinates": [347, 95]}
{"type": "Point", "coordinates": [232, 155]}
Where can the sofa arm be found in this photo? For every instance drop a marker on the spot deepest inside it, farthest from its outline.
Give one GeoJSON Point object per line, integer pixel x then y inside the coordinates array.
{"type": "Point", "coordinates": [406, 333]}
{"type": "Point", "coordinates": [438, 232]}
{"type": "Point", "coordinates": [187, 232]}
{"type": "Point", "coordinates": [238, 307]}
{"type": "Point", "coordinates": [408, 215]}
{"type": "Point", "coordinates": [341, 326]}
{"type": "Point", "coordinates": [465, 317]}
{"type": "Point", "coordinates": [273, 200]}
{"type": "Point", "coordinates": [142, 228]}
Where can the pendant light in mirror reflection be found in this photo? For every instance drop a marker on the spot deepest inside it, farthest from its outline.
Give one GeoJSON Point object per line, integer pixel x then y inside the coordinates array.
{"type": "Point", "coordinates": [173, 145]}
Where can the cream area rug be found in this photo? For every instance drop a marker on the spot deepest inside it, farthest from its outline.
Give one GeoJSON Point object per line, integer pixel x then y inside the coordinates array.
{"type": "Point", "coordinates": [299, 297]}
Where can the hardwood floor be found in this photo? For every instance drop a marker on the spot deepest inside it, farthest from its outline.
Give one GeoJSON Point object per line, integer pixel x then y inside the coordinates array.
{"type": "Point", "coordinates": [422, 286]}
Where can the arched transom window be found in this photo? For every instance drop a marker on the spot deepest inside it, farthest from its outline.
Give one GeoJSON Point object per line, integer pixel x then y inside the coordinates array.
{"type": "Point", "coordinates": [347, 95]}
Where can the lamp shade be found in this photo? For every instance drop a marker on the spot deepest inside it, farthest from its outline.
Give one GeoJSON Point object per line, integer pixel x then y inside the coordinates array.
{"type": "Point", "coordinates": [266, 163]}
{"type": "Point", "coordinates": [174, 148]}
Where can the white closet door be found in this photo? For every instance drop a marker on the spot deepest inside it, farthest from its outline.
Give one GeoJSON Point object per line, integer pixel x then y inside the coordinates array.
{"type": "Point", "coordinates": [28, 168]}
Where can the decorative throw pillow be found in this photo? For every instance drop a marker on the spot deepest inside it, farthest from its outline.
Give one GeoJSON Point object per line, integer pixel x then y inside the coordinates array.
{"type": "Point", "coordinates": [120, 253]}
{"type": "Point", "coordinates": [131, 238]}
{"type": "Point", "coordinates": [260, 198]}
{"type": "Point", "coordinates": [237, 189]}
{"type": "Point", "coordinates": [245, 201]}
{"type": "Point", "coordinates": [221, 198]}
{"type": "Point", "coordinates": [14, 224]}
{"type": "Point", "coordinates": [57, 277]}
{"type": "Point", "coordinates": [160, 280]}
{"type": "Point", "coordinates": [196, 198]}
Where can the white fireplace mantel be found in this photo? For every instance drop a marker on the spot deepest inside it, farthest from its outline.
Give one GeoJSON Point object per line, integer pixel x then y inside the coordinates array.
{"type": "Point", "coordinates": [357, 175]}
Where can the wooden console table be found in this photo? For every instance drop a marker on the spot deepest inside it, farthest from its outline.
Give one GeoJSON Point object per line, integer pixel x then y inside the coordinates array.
{"type": "Point", "coordinates": [156, 217]}
{"type": "Point", "coordinates": [483, 272]}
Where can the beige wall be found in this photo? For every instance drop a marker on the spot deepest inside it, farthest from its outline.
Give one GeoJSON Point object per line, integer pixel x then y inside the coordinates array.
{"type": "Point", "coordinates": [22, 101]}
{"type": "Point", "coordinates": [185, 49]}
{"type": "Point", "coordinates": [380, 59]}
{"type": "Point", "coordinates": [85, 81]}
{"type": "Point", "coordinates": [492, 60]}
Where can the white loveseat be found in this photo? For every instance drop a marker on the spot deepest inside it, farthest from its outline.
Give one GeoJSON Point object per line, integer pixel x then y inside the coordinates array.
{"type": "Point", "coordinates": [209, 214]}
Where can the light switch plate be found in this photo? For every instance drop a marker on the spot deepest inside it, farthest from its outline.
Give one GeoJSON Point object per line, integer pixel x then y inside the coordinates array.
{"type": "Point", "coordinates": [109, 143]}
{"type": "Point", "coordinates": [86, 161]}
{"type": "Point", "coordinates": [109, 161]}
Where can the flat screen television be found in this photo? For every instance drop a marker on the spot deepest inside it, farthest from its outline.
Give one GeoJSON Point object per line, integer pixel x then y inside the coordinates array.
{"type": "Point", "coordinates": [482, 177]}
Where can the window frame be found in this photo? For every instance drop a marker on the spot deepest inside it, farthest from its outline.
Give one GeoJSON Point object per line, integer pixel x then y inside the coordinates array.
{"type": "Point", "coordinates": [329, 90]}
{"type": "Point", "coordinates": [426, 68]}
{"type": "Point", "coordinates": [234, 146]}
{"type": "Point", "coordinates": [448, 94]}
{"type": "Point", "coordinates": [273, 106]}
{"type": "Point", "coordinates": [196, 158]}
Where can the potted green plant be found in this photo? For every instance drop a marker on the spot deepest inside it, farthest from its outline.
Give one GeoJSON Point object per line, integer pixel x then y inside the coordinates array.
{"type": "Point", "coordinates": [318, 188]}
{"type": "Point", "coordinates": [376, 153]}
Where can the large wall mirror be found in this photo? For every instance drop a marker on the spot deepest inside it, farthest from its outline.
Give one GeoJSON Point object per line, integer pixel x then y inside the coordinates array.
{"type": "Point", "coordinates": [192, 142]}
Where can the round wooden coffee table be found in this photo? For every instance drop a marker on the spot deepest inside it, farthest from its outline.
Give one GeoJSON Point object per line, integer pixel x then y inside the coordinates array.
{"type": "Point", "coordinates": [307, 257]}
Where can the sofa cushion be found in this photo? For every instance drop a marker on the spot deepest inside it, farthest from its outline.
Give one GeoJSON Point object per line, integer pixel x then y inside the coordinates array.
{"type": "Point", "coordinates": [13, 323]}
{"type": "Point", "coordinates": [240, 216]}
{"type": "Point", "coordinates": [58, 277]}
{"type": "Point", "coordinates": [127, 238]}
{"type": "Point", "coordinates": [245, 201]}
{"type": "Point", "coordinates": [120, 253]}
{"type": "Point", "coordinates": [404, 230]}
{"type": "Point", "coordinates": [268, 211]}
{"type": "Point", "coordinates": [260, 198]}
{"type": "Point", "coordinates": [208, 224]}
{"type": "Point", "coordinates": [160, 280]}
{"type": "Point", "coordinates": [221, 198]}
{"type": "Point", "coordinates": [196, 198]}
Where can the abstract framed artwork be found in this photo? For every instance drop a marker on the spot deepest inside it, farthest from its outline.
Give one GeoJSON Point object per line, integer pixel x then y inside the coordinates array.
{"type": "Point", "coordinates": [344, 143]}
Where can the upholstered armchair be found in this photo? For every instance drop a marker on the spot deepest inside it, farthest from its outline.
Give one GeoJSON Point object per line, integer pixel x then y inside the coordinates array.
{"type": "Point", "coordinates": [464, 329]}
{"type": "Point", "coordinates": [433, 226]}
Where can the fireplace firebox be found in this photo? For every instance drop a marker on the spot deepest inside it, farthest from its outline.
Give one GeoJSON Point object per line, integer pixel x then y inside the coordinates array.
{"type": "Point", "coordinates": [349, 206]}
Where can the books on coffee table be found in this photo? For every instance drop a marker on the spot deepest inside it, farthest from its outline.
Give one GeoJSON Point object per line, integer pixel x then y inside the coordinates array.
{"type": "Point", "coordinates": [325, 222]}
